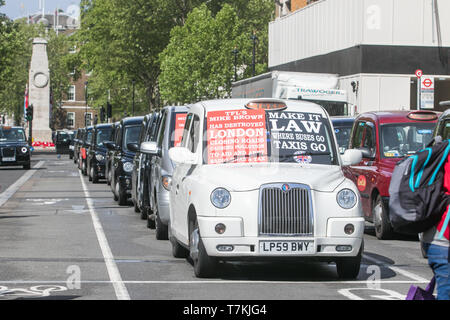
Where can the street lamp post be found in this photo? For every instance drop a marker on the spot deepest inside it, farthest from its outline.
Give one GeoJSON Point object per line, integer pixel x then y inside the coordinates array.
{"type": "Point", "coordinates": [235, 52]}
{"type": "Point", "coordinates": [86, 98]}
{"type": "Point", "coordinates": [254, 38]}
{"type": "Point", "coordinates": [133, 96]}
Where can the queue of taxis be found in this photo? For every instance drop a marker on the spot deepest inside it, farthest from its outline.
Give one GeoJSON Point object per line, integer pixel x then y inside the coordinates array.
{"type": "Point", "coordinates": [280, 180]}
{"type": "Point", "coordinates": [384, 138]}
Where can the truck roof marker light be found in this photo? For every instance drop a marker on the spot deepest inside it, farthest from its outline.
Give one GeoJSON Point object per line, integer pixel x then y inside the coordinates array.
{"type": "Point", "coordinates": [266, 105]}
{"type": "Point", "coordinates": [422, 115]}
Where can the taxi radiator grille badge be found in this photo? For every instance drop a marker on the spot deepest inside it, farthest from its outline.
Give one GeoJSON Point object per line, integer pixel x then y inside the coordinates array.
{"type": "Point", "coordinates": [285, 209]}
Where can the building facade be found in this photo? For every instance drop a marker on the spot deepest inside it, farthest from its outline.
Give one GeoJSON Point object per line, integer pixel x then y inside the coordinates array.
{"type": "Point", "coordinates": [375, 46]}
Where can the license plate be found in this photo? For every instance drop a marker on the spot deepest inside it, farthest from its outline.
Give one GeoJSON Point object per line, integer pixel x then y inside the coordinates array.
{"type": "Point", "coordinates": [10, 159]}
{"type": "Point", "coordinates": [287, 247]}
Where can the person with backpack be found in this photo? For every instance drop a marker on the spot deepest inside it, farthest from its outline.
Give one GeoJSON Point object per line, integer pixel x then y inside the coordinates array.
{"type": "Point", "coordinates": [419, 203]}
{"type": "Point", "coordinates": [436, 244]}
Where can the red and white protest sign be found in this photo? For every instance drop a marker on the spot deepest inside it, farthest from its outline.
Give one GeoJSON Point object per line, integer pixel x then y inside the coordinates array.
{"type": "Point", "coordinates": [237, 136]}
{"type": "Point", "coordinates": [180, 120]}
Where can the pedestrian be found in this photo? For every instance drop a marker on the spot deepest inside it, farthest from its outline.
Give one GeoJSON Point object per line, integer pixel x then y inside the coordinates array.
{"type": "Point", "coordinates": [437, 245]}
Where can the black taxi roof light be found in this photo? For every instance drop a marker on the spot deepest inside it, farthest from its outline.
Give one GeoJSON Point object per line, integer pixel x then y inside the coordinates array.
{"type": "Point", "coordinates": [422, 115]}
{"type": "Point", "coordinates": [266, 105]}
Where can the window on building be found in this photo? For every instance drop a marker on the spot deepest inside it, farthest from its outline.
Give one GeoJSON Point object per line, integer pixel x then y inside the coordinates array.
{"type": "Point", "coordinates": [71, 93]}
{"type": "Point", "coordinates": [70, 119]}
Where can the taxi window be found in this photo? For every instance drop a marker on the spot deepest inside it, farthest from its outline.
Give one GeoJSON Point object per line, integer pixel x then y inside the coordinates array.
{"type": "Point", "coordinates": [404, 139]}
{"type": "Point", "coordinates": [446, 130]}
{"type": "Point", "coordinates": [243, 136]}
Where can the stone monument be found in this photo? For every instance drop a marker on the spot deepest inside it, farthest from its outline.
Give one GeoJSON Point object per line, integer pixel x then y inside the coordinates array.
{"type": "Point", "coordinates": [39, 91]}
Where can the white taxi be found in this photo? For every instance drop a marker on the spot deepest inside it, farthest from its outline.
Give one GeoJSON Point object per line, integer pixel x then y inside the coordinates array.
{"type": "Point", "coordinates": [262, 179]}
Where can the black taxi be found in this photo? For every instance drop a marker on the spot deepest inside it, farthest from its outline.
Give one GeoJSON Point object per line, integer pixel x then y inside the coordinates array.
{"type": "Point", "coordinates": [14, 148]}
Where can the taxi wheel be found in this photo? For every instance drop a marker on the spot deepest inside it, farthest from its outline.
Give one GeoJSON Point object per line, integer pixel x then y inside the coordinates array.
{"type": "Point", "coordinates": [122, 196]}
{"type": "Point", "coordinates": [383, 228]}
{"type": "Point", "coordinates": [204, 265]}
{"type": "Point", "coordinates": [90, 173]}
{"type": "Point", "coordinates": [348, 268]}
{"type": "Point", "coordinates": [162, 232]}
{"type": "Point", "coordinates": [94, 175]}
{"type": "Point", "coordinates": [151, 224]}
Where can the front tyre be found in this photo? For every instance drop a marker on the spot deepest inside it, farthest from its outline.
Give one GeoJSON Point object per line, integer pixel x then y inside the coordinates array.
{"type": "Point", "coordinates": [348, 268]}
{"type": "Point", "coordinates": [204, 265]}
{"type": "Point", "coordinates": [383, 228]}
{"type": "Point", "coordinates": [162, 232]}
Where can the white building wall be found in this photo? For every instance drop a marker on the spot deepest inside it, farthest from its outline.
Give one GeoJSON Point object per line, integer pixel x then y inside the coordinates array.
{"type": "Point", "coordinates": [332, 25]}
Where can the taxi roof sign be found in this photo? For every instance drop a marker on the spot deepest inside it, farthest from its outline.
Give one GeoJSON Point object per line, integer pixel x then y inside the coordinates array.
{"type": "Point", "coordinates": [422, 115]}
{"type": "Point", "coordinates": [266, 105]}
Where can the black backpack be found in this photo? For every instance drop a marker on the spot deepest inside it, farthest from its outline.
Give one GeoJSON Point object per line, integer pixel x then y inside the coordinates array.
{"type": "Point", "coordinates": [416, 198]}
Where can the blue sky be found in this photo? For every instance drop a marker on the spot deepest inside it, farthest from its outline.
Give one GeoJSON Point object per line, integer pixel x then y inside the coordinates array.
{"type": "Point", "coordinates": [21, 8]}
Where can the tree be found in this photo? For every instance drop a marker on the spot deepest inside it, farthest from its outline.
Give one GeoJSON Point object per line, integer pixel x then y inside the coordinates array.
{"type": "Point", "coordinates": [194, 65]}
{"type": "Point", "coordinates": [198, 63]}
{"type": "Point", "coordinates": [15, 50]}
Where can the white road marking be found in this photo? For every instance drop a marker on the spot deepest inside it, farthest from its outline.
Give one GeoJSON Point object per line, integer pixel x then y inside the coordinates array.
{"type": "Point", "coordinates": [405, 273]}
{"type": "Point", "coordinates": [113, 271]}
{"type": "Point", "coordinates": [8, 193]}
{"type": "Point", "coordinates": [218, 282]}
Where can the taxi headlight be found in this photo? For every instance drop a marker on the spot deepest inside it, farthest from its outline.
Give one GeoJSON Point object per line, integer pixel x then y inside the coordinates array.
{"type": "Point", "coordinates": [346, 198]}
{"type": "Point", "coordinates": [220, 198]}
{"type": "Point", "coordinates": [24, 149]}
{"type": "Point", "coordinates": [99, 157]}
{"type": "Point", "coordinates": [127, 167]}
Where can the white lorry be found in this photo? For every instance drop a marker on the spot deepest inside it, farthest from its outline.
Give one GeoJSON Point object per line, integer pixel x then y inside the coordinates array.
{"type": "Point", "coordinates": [319, 88]}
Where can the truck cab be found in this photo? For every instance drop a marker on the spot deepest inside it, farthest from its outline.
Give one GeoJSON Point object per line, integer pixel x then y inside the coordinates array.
{"type": "Point", "coordinates": [384, 139]}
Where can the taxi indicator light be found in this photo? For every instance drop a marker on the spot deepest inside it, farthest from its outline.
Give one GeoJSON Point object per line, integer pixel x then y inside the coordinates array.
{"type": "Point", "coordinates": [422, 116]}
{"type": "Point", "coordinates": [266, 105]}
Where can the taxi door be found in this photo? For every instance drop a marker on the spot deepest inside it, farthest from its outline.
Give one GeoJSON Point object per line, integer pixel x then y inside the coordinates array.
{"type": "Point", "coordinates": [364, 173]}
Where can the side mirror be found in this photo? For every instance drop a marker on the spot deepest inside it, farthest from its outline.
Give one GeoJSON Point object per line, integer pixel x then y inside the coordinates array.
{"type": "Point", "coordinates": [367, 153]}
{"type": "Point", "coordinates": [351, 157]}
{"type": "Point", "coordinates": [150, 148]}
{"type": "Point", "coordinates": [182, 155]}
{"type": "Point", "coordinates": [134, 147]}
{"type": "Point", "coordinates": [109, 145]}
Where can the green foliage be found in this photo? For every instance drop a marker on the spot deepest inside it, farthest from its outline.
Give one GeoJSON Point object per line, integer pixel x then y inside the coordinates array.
{"type": "Point", "coordinates": [198, 63]}
{"type": "Point", "coordinates": [15, 50]}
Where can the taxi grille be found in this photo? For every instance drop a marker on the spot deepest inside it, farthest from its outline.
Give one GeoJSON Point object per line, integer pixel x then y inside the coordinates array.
{"type": "Point", "coordinates": [285, 209]}
{"type": "Point", "coordinates": [8, 152]}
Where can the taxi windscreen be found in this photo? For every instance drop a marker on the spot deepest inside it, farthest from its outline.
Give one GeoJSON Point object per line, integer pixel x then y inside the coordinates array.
{"type": "Point", "coordinates": [404, 139]}
{"type": "Point", "coordinates": [255, 136]}
{"type": "Point", "coordinates": [11, 134]}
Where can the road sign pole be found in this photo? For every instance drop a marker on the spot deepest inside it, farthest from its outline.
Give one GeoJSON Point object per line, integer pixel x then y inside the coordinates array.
{"type": "Point", "coordinates": [419, 74]}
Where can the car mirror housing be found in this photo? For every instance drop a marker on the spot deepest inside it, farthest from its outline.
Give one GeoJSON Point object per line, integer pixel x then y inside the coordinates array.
{"type": "Point", "coordinates": [351, 157]}
{"type": "Point", "coordinates": [181, 155]}
{"type": "Point", "coordinates": [134, 147]}
{"type": "Point", "coordinates": [110, 145]}
{"type": "Point", "coordinates": [150, 148]}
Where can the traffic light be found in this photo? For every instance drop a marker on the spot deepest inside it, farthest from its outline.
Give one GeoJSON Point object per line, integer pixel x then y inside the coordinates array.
{"type": "Point", "coordinates": [109, 110]}
{"type": "Point", "coordinates": [29, 114]}
{"type": "Point", "coordinates": [102, 114]}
